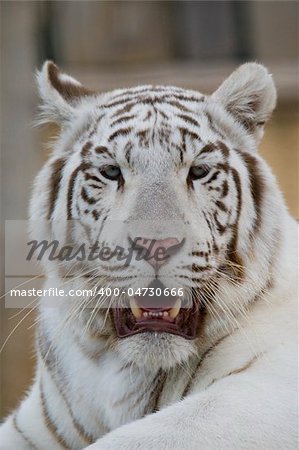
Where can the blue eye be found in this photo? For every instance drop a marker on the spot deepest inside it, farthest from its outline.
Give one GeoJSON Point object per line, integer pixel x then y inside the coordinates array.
{"type": "Point", "coordinates": [198, 172]}
{"type": "Point", "coordinates": [111, 172]}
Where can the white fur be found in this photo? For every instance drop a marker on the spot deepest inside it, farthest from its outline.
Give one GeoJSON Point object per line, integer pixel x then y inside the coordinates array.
{"type": "Point", "coordinates": [243, 395]}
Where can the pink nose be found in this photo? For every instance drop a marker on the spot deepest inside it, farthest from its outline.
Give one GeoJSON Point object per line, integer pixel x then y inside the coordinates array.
{"type": "Point", "coordinates": [157, 251]}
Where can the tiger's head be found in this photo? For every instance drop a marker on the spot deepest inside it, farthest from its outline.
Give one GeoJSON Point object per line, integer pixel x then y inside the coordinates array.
{"type": "Point", "coordinates": [169, 182]}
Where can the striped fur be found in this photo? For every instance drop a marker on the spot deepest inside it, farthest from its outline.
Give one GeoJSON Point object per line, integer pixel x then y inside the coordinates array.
{"type": "Point", "coordinates": [234, 385]}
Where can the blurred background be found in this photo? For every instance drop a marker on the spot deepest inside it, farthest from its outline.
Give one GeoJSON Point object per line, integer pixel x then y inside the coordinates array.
{"type": "Point", "coordinates": [109, 44]}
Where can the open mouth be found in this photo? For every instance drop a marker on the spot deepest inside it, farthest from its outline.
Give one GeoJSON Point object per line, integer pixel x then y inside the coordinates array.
{"type": "Point", "coordinates": [157, 314]}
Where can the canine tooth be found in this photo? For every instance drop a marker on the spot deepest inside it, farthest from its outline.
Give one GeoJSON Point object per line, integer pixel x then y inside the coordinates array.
{"type": "Point", "coordinates": [176, 309]}
{"type": "Point", "coordinates": [165, 314]}
{"type": "Point", "coordinates": [145, 314]}
{"type": "Point", "coordinates": [134, 308]}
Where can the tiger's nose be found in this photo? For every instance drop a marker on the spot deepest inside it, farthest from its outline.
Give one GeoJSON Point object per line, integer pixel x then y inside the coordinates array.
{"type": "Point", "coordinates": [157, 251]}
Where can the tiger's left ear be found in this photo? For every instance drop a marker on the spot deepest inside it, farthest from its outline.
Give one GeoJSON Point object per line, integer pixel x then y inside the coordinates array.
{"type": "Point", "coordinates": [249, 94]}
{"type": "Point", "coordinates": [60, 94]}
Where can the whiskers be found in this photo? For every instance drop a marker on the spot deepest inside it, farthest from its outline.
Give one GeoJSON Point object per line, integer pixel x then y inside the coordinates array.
{"type": "Point", "coordinates": [228, 295]}
{"type": "Point", "coordinates": [78, 308]}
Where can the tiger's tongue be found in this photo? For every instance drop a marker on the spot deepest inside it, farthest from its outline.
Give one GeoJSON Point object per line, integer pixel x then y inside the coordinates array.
{"type": "Point", "coordinates": [154, 306]}
{"type": "Point", "coordinates": [167, 313]}
{"type": "Point", "coordinates": [157, 303]}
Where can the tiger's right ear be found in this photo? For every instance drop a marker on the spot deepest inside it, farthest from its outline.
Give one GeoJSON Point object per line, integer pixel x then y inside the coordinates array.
{"type": "Point", "coordinates": [60, 94]}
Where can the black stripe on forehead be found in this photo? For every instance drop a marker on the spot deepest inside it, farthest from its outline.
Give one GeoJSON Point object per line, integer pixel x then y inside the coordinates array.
{"type": "Point", "coordinates": [185, 132]}
{"type": "Point", "coordinates": [99, 150]}
{"type": "Point", "coordinates": [123, 119]}
{"type": "Point", "coordinates": [178, 105]}
{"type": "Point", "coordinates": [189, 119]}
{"type": "Point", "coordinates": [215, 146]}
{"type": "Point", "coordinates": [102, 150]}
{"type": "Point", "coordinates": [120, 132]}
{"type": "Point", "coordinates": [149, 115]}
{"type": "Point", "coordinates": [131, 94]}
{"type": "Point", "coordinates": [125, 109]}
{"type": "Point", "coordinates": [144, 137]}
{"type": "Point", "coordinates": [162, 113]}
{"type": "Point", "coordinates": [148, 99]}
{"type": "Point", "coordinates": [162, 90]}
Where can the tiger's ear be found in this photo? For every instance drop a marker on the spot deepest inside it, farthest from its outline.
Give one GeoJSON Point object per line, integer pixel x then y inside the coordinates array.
{"type": "Point", "coordinates": [60, 94]}
{"type": "Point", "coordinates": [249, 94]}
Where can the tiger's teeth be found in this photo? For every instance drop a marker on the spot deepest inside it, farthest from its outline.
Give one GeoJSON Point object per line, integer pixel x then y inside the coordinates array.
{"type": "Point", "coordinates": [134, 308]}
{"type": "Point", "coordinates": [176, 309]}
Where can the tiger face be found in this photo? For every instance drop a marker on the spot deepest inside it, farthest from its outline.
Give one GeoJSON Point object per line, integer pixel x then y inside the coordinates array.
{"type": "Point", "coordinates": [167, 181]}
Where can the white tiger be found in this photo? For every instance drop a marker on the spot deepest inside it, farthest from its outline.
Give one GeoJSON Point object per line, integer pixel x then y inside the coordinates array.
{"type": "Point", "coordinates": [181, 170]}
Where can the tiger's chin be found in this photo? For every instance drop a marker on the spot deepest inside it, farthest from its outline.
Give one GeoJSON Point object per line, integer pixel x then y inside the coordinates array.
{"type": "Point", "coordinates": [156, 350]}
{"type": "Point", "coordinates": [157, 332]}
